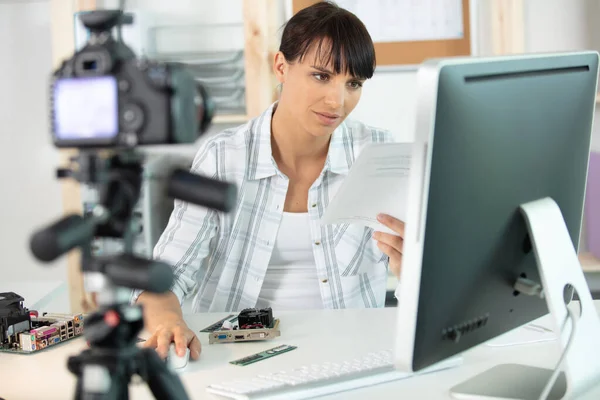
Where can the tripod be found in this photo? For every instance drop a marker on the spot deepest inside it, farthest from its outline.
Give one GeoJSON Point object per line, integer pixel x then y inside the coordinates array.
{"type": "Point", "coordinates": [104, 370]}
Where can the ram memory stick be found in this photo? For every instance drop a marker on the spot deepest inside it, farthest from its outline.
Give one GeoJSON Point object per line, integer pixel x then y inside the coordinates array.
{"type": "Point", "coordinates": [263, 355]}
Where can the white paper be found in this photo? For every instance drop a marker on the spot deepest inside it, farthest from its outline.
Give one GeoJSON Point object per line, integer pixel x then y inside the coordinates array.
{"type": "Point", "coordinates": [408, 20]}
{"type": "Point", "coordinates": [377, 183]}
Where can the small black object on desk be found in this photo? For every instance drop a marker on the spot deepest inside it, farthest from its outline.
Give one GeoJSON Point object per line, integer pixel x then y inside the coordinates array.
{"type": "Point", "coordinates": [253, 316]}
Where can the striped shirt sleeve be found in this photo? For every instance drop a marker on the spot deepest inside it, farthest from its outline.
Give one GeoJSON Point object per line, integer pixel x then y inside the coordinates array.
{"type": "Point", "coordinates": [186, 241]}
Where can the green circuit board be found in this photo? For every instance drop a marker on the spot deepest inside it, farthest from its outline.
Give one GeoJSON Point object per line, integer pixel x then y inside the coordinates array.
{"type": "Point", "coordinates": [44, 332]}
{"type": "Point", "coordinates": [263, 355]}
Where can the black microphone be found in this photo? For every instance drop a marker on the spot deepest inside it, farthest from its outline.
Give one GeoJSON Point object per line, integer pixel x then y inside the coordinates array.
{"type": "Point", "coordinates": [202, 191]}
{"type": "Point", "coordinates": [50, 243]}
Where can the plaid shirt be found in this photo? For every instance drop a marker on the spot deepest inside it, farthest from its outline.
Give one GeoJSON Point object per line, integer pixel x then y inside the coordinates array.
{"type": "Point", "coordinates": [223, 257]}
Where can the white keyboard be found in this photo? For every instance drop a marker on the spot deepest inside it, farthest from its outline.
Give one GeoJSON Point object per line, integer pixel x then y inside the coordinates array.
{"type": "Point", "coordinates": [320, 379]}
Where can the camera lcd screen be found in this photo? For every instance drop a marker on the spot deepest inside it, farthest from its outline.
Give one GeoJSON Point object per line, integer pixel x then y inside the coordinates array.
{"type": "Point", "coordinates": [86, 108]}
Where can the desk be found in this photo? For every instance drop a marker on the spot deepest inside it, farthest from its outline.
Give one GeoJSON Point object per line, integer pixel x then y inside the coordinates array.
{"type": "Point", "coordinates": [320, 336]}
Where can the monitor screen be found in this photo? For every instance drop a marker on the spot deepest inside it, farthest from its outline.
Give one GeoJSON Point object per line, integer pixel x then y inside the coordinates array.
{"type": "Point", "coordinates": [86, 108]}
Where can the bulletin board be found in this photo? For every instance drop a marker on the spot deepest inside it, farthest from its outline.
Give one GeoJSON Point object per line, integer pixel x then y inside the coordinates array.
{"type": "Point", "coordinates": [414, 52]}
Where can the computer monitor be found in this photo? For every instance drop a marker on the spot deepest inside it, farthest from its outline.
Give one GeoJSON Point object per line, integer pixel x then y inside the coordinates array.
{"type": "Point", "coordinates": [492, 134]}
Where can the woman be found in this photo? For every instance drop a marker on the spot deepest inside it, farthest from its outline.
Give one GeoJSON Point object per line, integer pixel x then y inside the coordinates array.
{"type": "Point", "coordinates": [287, 164]}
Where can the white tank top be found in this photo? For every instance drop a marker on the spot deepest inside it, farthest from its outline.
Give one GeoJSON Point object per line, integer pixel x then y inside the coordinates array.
{"type": "Point", "coordinates": [291, 280]}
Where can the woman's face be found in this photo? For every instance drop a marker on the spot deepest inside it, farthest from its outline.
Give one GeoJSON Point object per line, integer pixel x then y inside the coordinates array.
{"type": "Point", "coordinates": [314, 94]}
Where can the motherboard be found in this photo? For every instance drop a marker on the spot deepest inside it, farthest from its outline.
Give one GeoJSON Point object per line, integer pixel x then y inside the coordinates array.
{"type": "Point", "coordinates": [25, 331]}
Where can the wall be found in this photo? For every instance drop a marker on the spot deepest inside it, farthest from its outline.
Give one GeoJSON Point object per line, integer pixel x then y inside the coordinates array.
{"type": "Point", "coordinates": [565, 26]}
{"type": "Point", "coordinates": [200, 29]}
{"type": "Point", "coordinates": [30, 192]}
{"type": "Point", "coordinates": [376, 106]}
{"type": "Point", "coordinates": [188, 25]}
{"type": "Point", "coordinates": [388, 99]}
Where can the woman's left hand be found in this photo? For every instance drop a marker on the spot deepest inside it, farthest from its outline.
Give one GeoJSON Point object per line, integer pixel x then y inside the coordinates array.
{"type": "Point", "coordinates": [391, 244]}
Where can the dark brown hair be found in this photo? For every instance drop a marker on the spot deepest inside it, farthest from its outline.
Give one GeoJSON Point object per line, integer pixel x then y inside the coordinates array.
{"type": "Point", "coordinates": [346, 39]}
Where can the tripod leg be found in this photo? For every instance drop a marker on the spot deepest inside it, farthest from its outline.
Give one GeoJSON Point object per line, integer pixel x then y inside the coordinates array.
{"type": "Point", "coordinates": [163, 383]}
{"type": "Point", "coordinates": [79, 388]}
{"type": "Point", "coordinates": [100, 378]}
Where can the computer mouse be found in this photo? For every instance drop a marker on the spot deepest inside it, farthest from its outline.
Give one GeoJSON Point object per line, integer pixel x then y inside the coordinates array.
{"type": "Point", "coordinates": [174, 360]}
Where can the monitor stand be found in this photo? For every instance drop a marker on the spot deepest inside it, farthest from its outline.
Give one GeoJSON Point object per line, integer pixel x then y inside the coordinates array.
{"type": "Point", "coordinates": [559, 267]}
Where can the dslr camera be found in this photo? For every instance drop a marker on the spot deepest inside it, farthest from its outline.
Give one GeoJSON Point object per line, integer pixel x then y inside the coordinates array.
{"type": "Point", "coordinates": [105, 97]}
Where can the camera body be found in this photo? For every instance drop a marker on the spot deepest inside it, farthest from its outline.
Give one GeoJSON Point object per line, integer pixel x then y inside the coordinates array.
{"type": "Point", "coordinates": [103, 96]}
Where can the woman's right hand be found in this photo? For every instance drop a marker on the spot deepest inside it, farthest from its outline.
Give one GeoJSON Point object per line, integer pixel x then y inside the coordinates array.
{"type": "Point", "coordinates": [164, 320]}
{"type": "Point", "coordinates": [172, 328]}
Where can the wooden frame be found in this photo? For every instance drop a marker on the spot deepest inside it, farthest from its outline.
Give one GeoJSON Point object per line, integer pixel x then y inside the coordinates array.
{"type": "Point", "coordinates": [402, 53]}
{"type": "Point", "coordinates": [63, 45]}
{"type": "Point", "coordinates": [260, 45]}
{"type": "Point", "coordinates": [508, 37]}
{"type": "Point", "coordinates": [508, 27]}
